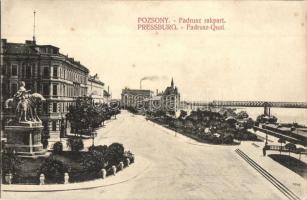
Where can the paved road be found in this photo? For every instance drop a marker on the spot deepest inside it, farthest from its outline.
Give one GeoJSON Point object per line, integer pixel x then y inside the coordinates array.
{"type": "Point", "coordinates": [178, 169]}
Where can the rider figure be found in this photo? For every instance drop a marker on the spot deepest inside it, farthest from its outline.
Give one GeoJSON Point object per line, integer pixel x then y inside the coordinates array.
{"type": "Point", "coordinates": [20, 94]}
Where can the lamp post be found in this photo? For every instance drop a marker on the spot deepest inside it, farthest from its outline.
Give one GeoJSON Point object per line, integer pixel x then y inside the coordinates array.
{"type": "Point", "coordinates": [93, 135]}
{"type": "Point", "coordinates": [62, 128]}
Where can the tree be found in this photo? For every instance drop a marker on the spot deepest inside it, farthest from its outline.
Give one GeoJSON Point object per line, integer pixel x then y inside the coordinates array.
{"type": "Point", "coordinates": [248, 123]}
{"type": "Point", "coordinates": [81, 115]}
{"type": "Point", "coordinates": [114, 153]}
{"type": "Point", "coordinates": [242, 115]}
{"type": "Point", "coordinates": [57, 148]}
{"type": "Point", "coordinates": [86, 116]}
{"type": "Point", "coordinates": [183, 114]}
{"type": "Point", "coordinates": [75, 144]}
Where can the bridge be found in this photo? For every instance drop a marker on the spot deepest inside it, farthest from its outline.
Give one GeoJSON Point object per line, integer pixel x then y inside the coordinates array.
{"type": "Point", "coordinates": [199, 104]}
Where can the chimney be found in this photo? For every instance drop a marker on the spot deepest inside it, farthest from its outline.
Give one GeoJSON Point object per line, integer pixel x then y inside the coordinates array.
{"type": "Point", "coordinates": [108, 89]}
{"type": "Point", "coordinates": [4, 41]}
{"type": "Point", "coordinates": [157, 91]}
{"type": "Point", "coordinates": [140, 84]}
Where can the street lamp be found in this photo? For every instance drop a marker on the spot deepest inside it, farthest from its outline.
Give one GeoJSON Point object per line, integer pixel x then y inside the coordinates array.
{"type": "Point", "coordinates": [93, 135]}
{"type": "Point", "coordinates": [62, 128]}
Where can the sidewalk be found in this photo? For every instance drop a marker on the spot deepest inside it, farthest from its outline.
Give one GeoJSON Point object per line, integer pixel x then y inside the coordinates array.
{"type": "Point", "coordinates": [129, 173]}
{"type": "Point", "coordinates": [253, 149]}
{"type": "Point", "coordinates": [293, 181]}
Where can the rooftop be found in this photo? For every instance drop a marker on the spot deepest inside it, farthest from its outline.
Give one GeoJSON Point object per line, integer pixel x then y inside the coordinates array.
{"type": "Point", "coordinates": [95, 79]}
{"type": "Point", "coordinates": [31, 48]}
{"type": "Point", "coordinates": [136, 91]}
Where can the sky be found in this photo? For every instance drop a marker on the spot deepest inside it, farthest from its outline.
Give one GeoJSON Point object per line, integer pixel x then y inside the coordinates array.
{"type": "Point", "coordinates": [261, 54]}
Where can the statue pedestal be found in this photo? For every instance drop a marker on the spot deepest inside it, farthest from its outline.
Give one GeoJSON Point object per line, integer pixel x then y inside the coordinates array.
{"type": "Point", "coordinates": [25, 139]}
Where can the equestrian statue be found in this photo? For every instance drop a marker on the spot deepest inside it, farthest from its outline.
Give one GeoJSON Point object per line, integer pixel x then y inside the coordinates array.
{"type": "Point", "coordinates": [25, 104]}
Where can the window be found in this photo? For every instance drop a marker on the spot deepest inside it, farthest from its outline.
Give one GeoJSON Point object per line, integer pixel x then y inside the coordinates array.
{"type": "Point", "coordinates": [33, 69]}
{"type": "Point", "coordinates": [53, 125]}
{"type": "Point", "coordinates": [45, 89]}
{"type": "Point", "coordinates": [23, 70]}
{"type": "Point", "coordinates": [14, 88]}
{"type": "Point", "coordinates": [55, 71]}
{"type": "Point", "coordinates": [4, 70]}
{"type": "Point", "coordinates": [29, 86]}
{"type": "Point", "coordinates": [4, 89]}
{"type": "Point", "coordinates": [14, 70]}
{"type": "Point", "coordinates": [55, 90]}
{"type": "Point", "coordinates": [45, 108]}
{"type": "Point", "coordinates": [46, 72]}
{"type": "Point", "coordinates": [55, 107]}
{"type": "Point", "coordinates": [28, 73]}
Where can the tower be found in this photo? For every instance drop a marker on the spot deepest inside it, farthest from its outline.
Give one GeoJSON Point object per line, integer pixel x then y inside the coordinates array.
{"type": "Point", "coordinates": [172, 83]}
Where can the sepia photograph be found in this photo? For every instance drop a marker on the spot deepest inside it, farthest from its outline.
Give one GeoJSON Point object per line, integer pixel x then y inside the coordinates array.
{"type": "Point", "coordinates": [153, 99]}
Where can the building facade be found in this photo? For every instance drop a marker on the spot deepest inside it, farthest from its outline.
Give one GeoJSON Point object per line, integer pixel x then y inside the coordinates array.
{"type": "Point", "coordinates": [95, 88]}
{"type": "Point", "coordinates": [59, 78]}
{"type": "Point", "coordinates": [107, 95]}
{"type": "Point", "coordinates": [170, 100]}
{"type": "Point", "coordinates": [133, 98]}
{"type": "Point", "coordinates": [144, 100]}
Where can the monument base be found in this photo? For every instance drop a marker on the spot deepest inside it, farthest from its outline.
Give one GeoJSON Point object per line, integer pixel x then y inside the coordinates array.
{"type": "Point", "coordinates": [25, 139]}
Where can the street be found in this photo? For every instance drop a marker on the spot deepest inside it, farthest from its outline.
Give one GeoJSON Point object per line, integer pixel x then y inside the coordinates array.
{"type": "Point", "coordinates": [179, 168]}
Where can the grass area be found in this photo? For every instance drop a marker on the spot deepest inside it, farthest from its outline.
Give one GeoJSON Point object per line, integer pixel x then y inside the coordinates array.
{"type": "Point", "coordinates": [295, 165]}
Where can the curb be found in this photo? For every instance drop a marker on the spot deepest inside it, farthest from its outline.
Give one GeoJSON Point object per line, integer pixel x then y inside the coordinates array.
{"type": "Point", "coordinates": [131, 172]}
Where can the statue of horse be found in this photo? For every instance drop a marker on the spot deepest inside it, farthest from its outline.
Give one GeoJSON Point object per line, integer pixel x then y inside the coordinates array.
{"type": "Point", "coordinates": [26, 109]}
{"type": "Point", "coordinates": [34, 101]}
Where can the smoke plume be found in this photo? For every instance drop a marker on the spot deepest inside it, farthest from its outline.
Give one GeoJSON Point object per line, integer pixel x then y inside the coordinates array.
{"type": "Point", "coordinates": [152, 78]}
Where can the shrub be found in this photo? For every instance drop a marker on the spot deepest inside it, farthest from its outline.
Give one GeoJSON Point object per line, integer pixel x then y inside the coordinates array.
{"type": "Point", "coordinates": [75, 144]}
{"type": "Point", "coordinates": [228, 139]}
{"type": "Point", "coordinates": [10, 162]}
{"type": "Point", "coordinates": [100, 148]}
{"type": "Point", "coordinates": [54, 169]}
{"type": "Point", "coordinates": [129, 155]}
{"type": "Point", "coordinates": [93, 161]}
{"type": "Point", "coordinates": [115, 153]}
{"type": "Point", "coordinates": [57, 148]}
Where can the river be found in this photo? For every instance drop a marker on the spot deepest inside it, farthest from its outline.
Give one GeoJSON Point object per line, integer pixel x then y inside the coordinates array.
{"type": "Point", "coordinates": [284, 115]}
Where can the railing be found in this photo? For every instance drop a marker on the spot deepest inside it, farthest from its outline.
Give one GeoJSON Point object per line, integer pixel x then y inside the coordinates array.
{"type": "Point", "coordinates": [284, 149]}
{"type": "Point", "coordinates": [248, 104]}
{"type": "Point", "coordinates": [279, 135]}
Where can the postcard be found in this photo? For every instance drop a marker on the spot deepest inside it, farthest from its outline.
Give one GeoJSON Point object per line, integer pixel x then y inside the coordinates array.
{"type": "Point", "coordinates": [153, 99]}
